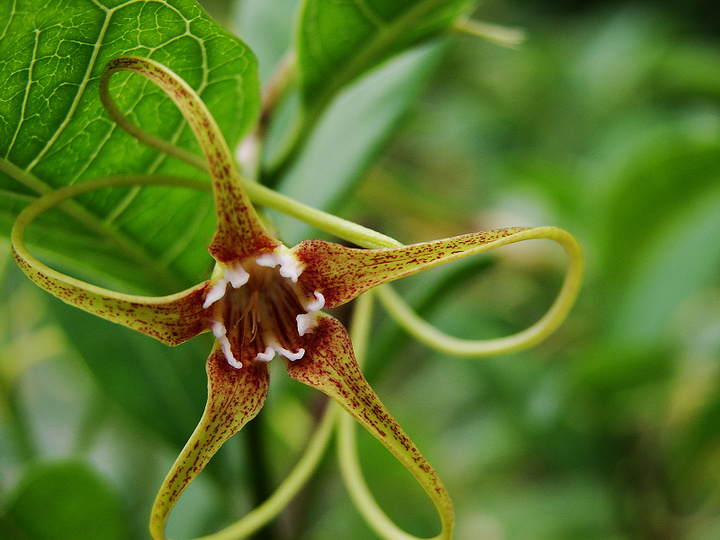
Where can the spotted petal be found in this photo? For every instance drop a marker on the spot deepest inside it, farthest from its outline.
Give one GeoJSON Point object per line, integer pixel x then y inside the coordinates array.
{"type": "Point", "coordinates": [239, 232]}
{"type": "Point", "coordinates": [341, 273]}
{"type": "Point", "coordinates": [329, 365]}
{"type": "Point", "coordinates": [235, 396]}
{"type": "Point", "coordinates": [171, 319]}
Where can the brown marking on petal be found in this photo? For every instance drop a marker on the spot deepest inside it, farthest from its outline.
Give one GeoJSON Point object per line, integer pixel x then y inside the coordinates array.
{"type": "Point", "coordinates": [239, 231]}
{"type": "Point", "coordinates": [262, 310]}
{"type": "Point", "coordinates": [341, 273]}
{"type": "Point", "coordinates": [171, 319]}
{"type": "Point", "coordinates": [236, 236]}
{"type": "Point", "coordinates": [329, 365]}
{"type": "Point", "coordinates": [235, 396]}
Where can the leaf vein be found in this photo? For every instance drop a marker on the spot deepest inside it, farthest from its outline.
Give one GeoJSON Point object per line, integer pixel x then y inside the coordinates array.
{"type": "Point", "coordinates": [76, 100]}
{"type": "Point", "coordinates": [27, 94]}
{"type": "Point", "coordinates": [370, 14]}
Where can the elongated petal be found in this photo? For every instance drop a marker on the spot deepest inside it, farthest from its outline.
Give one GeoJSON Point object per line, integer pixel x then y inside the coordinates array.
{"type": "Point", "coordinates": [171, 319]}
{"type": "Point", "coordinates": [235, 396]}
{"type": "Point", "coordinates": [239, 231]}
{"type": "Point", "coordinates": [341, 273]}
{"type": "Point", "coordinates": [329, 365]}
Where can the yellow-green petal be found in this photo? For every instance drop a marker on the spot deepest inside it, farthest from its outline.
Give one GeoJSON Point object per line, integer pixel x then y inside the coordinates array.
{"type": "Point", "coordinates": [171, 319]}
{"type": "Point", "coordinates": [329, 365]}
{"type": "Point", "coordinates": [239, 232]}
{"type": "Point", "coordinates": [235, 396]}
{"type": "Point", "coordinates": [341, 273]}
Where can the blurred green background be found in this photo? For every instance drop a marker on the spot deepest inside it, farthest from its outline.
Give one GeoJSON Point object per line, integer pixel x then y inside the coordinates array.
{"type": "Point", "coordinates": [605, 121]}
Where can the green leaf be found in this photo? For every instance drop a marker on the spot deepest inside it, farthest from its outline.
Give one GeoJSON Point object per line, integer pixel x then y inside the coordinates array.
{"type": "Point", "coordinates": [54, 132]}
{"type": "Point", "coordinates": [335, 156]}
{"type": "Point", "coordinates": [268, 27]}
{"type": "Point", "coordinates": [667, 171]}
{"type": "Point", "coordinates": [66, 500]}
{"type": "Point", "coordinates": [614, 367]}
{"type": "Point", "coordinates": [340, 41]}
{"type": "Point", "coordinates": [163, 388]}
{"type": "Point", "coordinates": [681, 257]}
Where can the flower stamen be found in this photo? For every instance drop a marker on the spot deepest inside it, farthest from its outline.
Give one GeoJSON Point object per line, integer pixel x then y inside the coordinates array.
{"type": "Point", "coordinates": [290, 267]}
{"type": "Point", "coordinates": [220, 333]}
{"type": "Point", "coordinates": [306, 322]}
{"type": "Point", "coordinates": [215, 293]}
{"type": "Point", "coordinates": [269, 312]}
{"type": "Point", "coordinates": [234, 274]}
{"type": "Point", "coordinates": [274, 347]}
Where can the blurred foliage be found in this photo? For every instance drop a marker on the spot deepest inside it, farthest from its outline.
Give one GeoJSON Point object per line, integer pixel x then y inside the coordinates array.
{"type": "Point", "coordinates": [606, 121]}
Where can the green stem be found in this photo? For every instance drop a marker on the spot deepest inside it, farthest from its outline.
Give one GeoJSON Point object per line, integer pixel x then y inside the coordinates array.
{"type": "Point", "coordinates": [258, 193]}
{"type": "Point", "coordinates": [341, 228]}
{"type": "Point", "coordinates": [440, 341]}
{"type": "Point", "coordinates": [258, 471]}
{"type": "Point", "coordinates": [500, 35]}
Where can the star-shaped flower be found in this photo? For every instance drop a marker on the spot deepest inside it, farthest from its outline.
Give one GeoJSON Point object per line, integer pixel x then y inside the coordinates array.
{"type": "Point", "coordinates": [263, 301]}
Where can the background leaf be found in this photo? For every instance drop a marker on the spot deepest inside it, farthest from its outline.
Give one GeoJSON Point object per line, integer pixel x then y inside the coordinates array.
{"type": "Point", "coordinates": [339, 41]}
{"type": "Point", "coordinates": [163, 388]}
{"type": "Point", "coordinates": [352, 133]}
{"type": "Point", "coordinates": [54, 132]}
{"type": "Point", "coordinates": [65, 501]}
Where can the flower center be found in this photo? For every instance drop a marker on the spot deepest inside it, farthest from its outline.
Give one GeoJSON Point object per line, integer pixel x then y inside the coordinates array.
{"type": "Point", "coordinates": [257, 309]}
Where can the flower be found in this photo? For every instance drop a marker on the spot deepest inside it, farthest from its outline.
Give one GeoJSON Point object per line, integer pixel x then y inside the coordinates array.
{"type": "Point", "coordinates": [263, 301]}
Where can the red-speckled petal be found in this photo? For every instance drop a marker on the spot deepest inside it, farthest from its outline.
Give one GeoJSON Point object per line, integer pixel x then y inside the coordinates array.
{"type": "Point", "coordinates": [329, 365]}
{"type": "Point", "coordinates": [235, 396]}
{"type": "Point", "coordinates": [171, 319]}
{"type": "Point", "coordinates": [239, 231]}
{"type": "Point", "coordinates": [341, 273]}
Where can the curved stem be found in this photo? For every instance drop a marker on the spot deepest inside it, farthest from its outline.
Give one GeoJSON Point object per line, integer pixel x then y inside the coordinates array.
{"type": "Point", "coordinates": [341, 228]}
{"type": "Point", "coordinates": [280, 82]}
{"type": "Point", "coordinates": [140, 134]}
{"type": "Point", "coordinates": [360, 493]}
{"type": "Point", "coordinates": [258, 194]}
{"type": "Point", "coordinates": [239, 232]}
{"type": "Point", "coordinates": [440, 341]}
{"type": "Point", "coordinates": [331, 367]}
{"type": "Point", "coordinates": [111, 235]}
{"type": "Point", "coordinates": [171, 319]}
{"type": "Point", "coordinates": [500, 35]}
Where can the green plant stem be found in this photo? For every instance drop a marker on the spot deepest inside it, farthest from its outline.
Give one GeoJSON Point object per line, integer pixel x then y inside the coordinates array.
{"type": "Point", "coordinates": [440, 341]}
{"type": "Point", "coordinates": [258, 193]}
{"type": "Point", "coordinates": [258, 471]}
{"type": "Point", "coordinates": [283, 77]}
{"type": "Point", "coordinates": [347, 446]}
{"type": "Point", "coordinates": [500, 35]}
{"type": "Point", "coordinates": [341, 228]}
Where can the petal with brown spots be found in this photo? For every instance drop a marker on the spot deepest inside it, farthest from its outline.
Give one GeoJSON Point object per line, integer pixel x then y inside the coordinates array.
{"type": "Point", "coordinates": [329, 365]}
{"type": "Point", "coordinates": [235, 396]}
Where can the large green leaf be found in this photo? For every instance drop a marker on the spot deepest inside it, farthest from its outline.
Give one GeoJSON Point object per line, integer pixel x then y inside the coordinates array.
{"type": "Point", "coordinates": [53, 130]}
{"type": "Point", "coordinates": [681, 257]}
{"type": "Point", "coordinates": [65, 500]}
{"type": "Point", "coordinates": [268, 27]}
{"type": "Point", "coordinates": [339, 41]}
